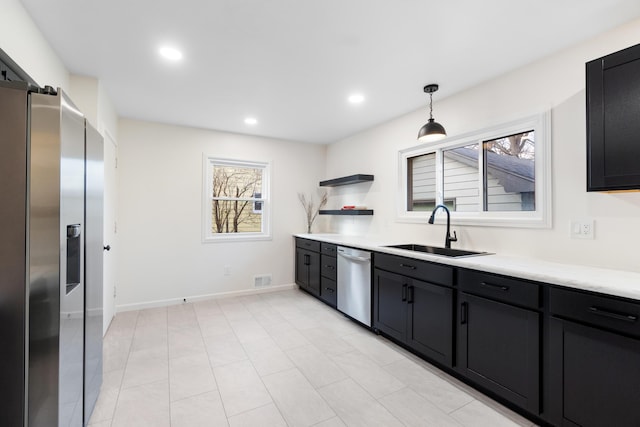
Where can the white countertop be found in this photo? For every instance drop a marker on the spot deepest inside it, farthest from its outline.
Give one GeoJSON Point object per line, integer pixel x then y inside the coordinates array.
{"type": "Point", "coordinates": [607, 281]}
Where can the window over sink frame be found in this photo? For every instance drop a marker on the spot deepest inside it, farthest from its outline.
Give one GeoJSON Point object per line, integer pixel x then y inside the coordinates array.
{"type": "Point", "coordinates": [535, 210]}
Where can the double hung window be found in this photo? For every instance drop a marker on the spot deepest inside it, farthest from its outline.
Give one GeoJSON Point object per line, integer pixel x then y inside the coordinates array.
{"type": "Point", "coordinates": [236, 200]}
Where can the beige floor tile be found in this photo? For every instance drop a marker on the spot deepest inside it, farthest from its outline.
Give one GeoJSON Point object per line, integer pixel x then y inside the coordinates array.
{"type": "Point", "coordinates": [185, 341]}
{"type": "Point", "coordinates": [146, 366]}
{"type": "Point", "coordinates": [327, 341]}
{"type": "Point", "coordinates": [312, 359]}
{"type": "Point", "coordinates": [299, 403]}
{"type": "Point", "coordinates": [224, 349]}
{"type": "Point", "coordinates": [375, 347]}
{"type": "Point", "coordinates": [368, 374]}
{"type": "Point", "coordinates": [106, 423]}
{"type": "Point", "coordinates": [333, 422]}
{"type": "Point", "coordinates": [416, 411]}
{"type": "Point", "coordinates": [356, 407]}
{"type": "Point", "coordinates": [190, 376]}
{"type": "Point", "coordinates": [214, 325]}
{"type": "Point", "coordinates": [248, 330]}
{"type": "Point", "coordinates": [477, 414]}
{"type": "Point", "coordinates": [435, 389]}
{"type": "Point", "coordinates": [266, 356]}
{"type": "Point", "coordinates": [143, 406]}
{"type": "Point", "coordinates": [204, 410]}
{"type": "Point", "coordinates": [317, 367]}
{"type": "Point", "coordinates": [115, 353]}
{"type": "Point", "coordinates": [240, 387]}
{"type": "Point", "coordinates": [105, 405]}
{"type": "Point", "coordinates": [267, 415]}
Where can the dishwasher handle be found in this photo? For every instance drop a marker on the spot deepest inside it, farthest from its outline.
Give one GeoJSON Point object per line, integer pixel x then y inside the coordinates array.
{"type": "Point", "coordinates": [354, 258]}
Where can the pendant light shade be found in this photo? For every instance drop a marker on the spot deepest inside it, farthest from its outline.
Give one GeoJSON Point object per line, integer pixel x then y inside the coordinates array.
{"type": "Point", "coordinates": [432, 131]}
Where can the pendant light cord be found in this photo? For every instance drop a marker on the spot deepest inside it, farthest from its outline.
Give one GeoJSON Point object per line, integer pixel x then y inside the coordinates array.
{"type": "Point", "coordinates": [430, 105]}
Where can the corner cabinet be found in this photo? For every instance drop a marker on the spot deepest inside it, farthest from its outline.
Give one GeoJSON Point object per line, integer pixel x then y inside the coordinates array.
{"type": "Point", "coordinates": [594, 348]}
{"type": "Point", "coordinates": [412, 303]}
{"type": "Point", "coordinates": [499, 336]}
{"type": "Point", "coordinates": [308, 265]}
{"type": "Point", "coordinates": [613, 108]}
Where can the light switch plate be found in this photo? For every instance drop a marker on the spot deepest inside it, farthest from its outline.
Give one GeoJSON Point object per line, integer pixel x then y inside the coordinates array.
{"type": "Point", "coordinates": [583, 229]}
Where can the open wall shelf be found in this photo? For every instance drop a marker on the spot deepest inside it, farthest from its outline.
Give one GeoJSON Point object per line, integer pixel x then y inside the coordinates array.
{"type": "Point", "coordinates": [347, 212]}
{"type": "Point", "coordinates": [352, 179]}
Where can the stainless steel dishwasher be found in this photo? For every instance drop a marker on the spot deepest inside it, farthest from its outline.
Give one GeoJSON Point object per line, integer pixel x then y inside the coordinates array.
{"type": "Point", "coordinates": [354, 284]}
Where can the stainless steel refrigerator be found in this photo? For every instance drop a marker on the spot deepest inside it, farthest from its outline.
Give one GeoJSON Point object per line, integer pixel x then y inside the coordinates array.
{"type": "Point", "coordinates": [51, 243]}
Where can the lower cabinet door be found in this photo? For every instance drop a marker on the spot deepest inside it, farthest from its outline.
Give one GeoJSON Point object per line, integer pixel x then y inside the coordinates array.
{"type": "Point", "coordinates": [596, 376]}
{"type": "Point", "coordinates": [308, 270]}
{"type": "Point", "coordinates": [314, 273]}
{"type": "Point", "coordinates": [430, 328]}
{"type": "Point", "coordinates": [389, 303]}
{"type": "Point", "coordinates": [498, 348]}
{"type": "Point", "coordinates": [302, 268]}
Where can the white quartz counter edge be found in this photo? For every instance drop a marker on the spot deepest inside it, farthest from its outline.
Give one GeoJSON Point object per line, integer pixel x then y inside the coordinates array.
{"type": "Point", "coordinates": [607, 281]}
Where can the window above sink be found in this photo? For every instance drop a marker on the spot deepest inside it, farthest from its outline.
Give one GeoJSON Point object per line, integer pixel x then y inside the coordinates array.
{"type": "Point", "coordinates": [499, 176]}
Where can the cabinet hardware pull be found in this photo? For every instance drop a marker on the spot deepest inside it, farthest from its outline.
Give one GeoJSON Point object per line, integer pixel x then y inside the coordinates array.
{"type": "Point", "coordinates": [495, 287]}
{"type": "Point", "coordinates": [307, 259]}
{"type": "Point", "coordinates": [413, 267]}
{"type": "Point", "coordinates": [332, 267]}
{"type": "Point", "coordinates": [463, 313]}
{"type": "Point", "coordinates": [404, 292]}
{"type": "Point", "coordinates": [329, 289]}
{"type": "Point", "coordinates": [617, 316]}
{"type": "Point", "coordinates": [410, 299]}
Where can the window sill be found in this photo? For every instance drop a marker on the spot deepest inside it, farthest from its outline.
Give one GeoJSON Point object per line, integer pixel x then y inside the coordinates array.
{"type": "Point", "coordinates": [237, 237]}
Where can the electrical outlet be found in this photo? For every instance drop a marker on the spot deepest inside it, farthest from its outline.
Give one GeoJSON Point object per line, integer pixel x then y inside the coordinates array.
{"type": "Point", "coordinates": [227, 270]}
{"type": "Point", "coordinates": [582, 229]}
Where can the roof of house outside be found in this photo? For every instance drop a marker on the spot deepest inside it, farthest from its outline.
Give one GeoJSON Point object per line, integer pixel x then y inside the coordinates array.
{"type": "Point", "coordinates": [516, 175]}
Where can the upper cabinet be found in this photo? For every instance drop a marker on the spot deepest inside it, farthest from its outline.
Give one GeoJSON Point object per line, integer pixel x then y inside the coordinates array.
{"type": "Point", "coordinates": [613, 121]}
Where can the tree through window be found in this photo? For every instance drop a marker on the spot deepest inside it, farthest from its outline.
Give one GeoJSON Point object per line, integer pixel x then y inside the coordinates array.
{"type": "Point", "coordinates": [237, 196]}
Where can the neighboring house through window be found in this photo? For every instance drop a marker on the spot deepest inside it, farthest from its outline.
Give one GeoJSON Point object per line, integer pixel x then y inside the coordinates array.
{"type": "Point", "coordinates": [498, 176]}
{"type": "Point", "coordinates": [236, 200]}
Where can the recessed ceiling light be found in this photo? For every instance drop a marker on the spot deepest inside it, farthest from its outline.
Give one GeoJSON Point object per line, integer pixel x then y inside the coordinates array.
{"type": "Point", "coordinates": [356, 98]}
{"type": "Point", "coordinates": [170, 53]}
{"type": "Point", "coordinates": [251, 121]}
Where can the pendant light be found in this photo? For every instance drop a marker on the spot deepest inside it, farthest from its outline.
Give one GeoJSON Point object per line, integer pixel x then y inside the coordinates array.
{"type": "Point", "coordinates": [432, 131]}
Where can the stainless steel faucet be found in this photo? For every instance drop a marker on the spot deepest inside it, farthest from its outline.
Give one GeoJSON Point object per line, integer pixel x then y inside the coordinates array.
{"type": "Point", "coordinates": [448, 239]}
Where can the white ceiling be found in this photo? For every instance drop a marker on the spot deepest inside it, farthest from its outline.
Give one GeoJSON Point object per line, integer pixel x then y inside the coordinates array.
{"type": "Point", "coordinates": [293, 63]}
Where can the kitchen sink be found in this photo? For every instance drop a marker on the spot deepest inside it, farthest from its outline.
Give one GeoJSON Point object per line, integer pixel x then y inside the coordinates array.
{"type": "Point", "coordinates": [448, 252]}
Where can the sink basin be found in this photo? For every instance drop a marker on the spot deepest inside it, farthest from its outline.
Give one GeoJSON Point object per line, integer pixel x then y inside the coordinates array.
{"type": "Point", "coordinates": [453, 253]}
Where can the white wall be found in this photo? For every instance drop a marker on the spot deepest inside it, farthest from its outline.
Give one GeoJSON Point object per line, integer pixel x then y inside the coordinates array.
{"type": "Point", "coordinates": [162, 258]}
{"type": "Point", "coordinates": [23, 42]}
{"type": "Point", "coordinates": [555, 83]}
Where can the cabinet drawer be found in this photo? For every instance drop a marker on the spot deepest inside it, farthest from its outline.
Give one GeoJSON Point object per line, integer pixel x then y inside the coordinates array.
{"type": "Point", "coordinates": [329, 249]}
{"type": "Point", "coordinates": [423, 270]}
{"type": "Point", "coordinates": [311, 245]}
{"type": "Point", "coordinates": [329, 291]}
{"type": "Point", "coordinates": [599, 310]}
{"type": "Point", "coordinates": [500, 288]}
{"type": "Point", "coordinates": [328, 266]}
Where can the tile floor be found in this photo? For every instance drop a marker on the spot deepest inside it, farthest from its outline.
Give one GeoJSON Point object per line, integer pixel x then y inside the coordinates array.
{"type": "Point", "coordinates": [276, 359]}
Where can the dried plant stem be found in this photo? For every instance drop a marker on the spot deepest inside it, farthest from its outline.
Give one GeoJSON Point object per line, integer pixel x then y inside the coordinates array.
{"type": "Point", "coordinates": [310, 209]}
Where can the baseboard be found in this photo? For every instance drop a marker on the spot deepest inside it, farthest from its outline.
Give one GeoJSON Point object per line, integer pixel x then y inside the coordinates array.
{"type": "Point", "coordinates": [176, 301]}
